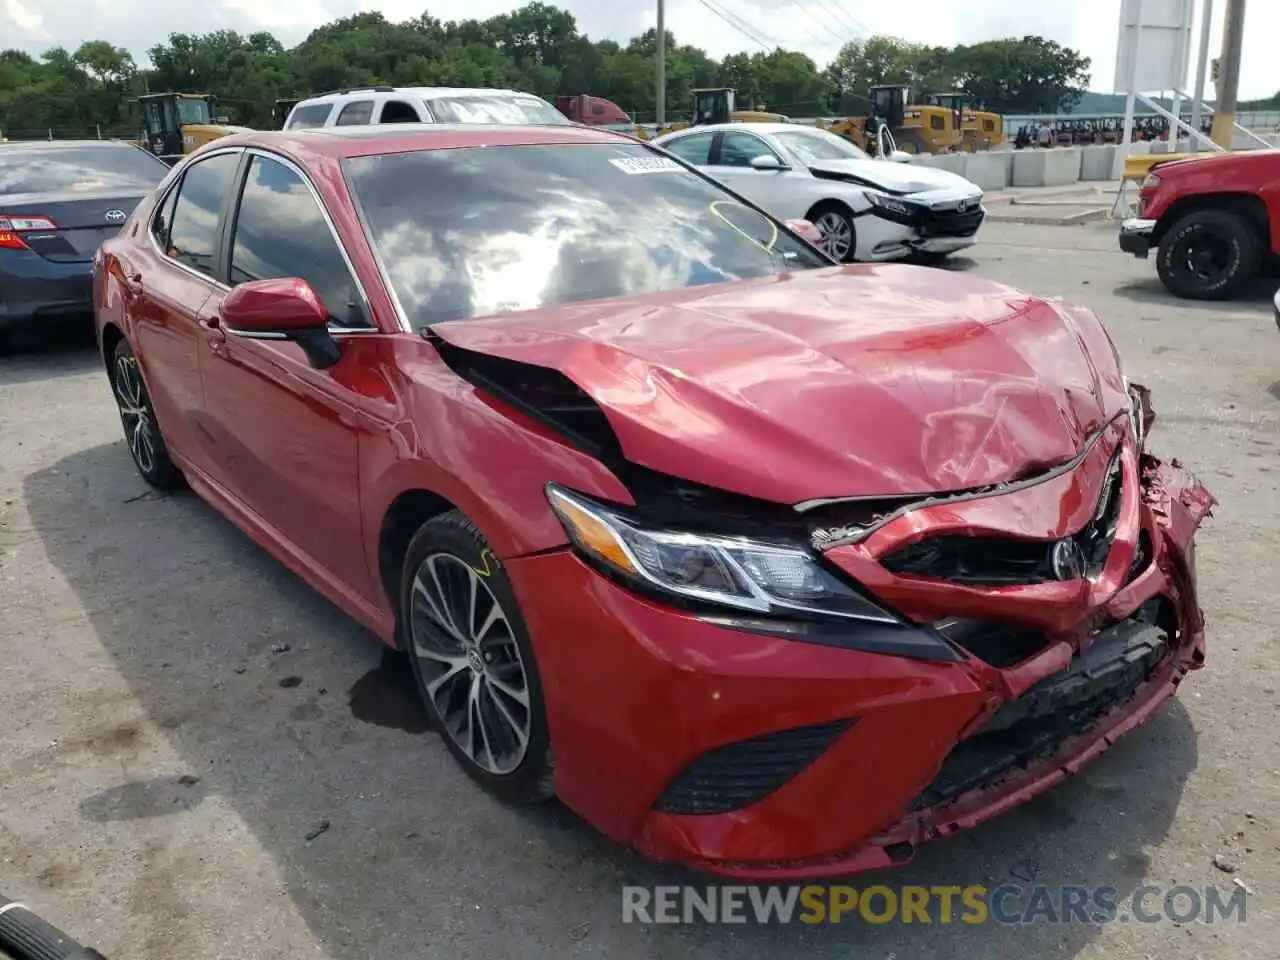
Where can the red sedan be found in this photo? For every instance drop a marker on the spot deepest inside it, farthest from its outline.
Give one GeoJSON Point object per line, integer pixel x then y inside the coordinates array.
{"type": "Point", "coordinates": [766, 565]}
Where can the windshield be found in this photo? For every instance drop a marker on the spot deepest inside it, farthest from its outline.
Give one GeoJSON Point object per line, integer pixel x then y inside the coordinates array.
{"type": "Point", "coordinates": [479, 231]}
{"type": "Point", "coordinates": [495, 108]}
{"type": "Point", "coordinates": [70, 169]}
{"type": "Point", "coordinates": [194, 110]}
{"type": "Point", "coordinates": [813, 145]}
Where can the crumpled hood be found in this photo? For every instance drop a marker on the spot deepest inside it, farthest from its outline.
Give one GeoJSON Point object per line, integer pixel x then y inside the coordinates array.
{"type": "Point", "coordinates": [867, 380]}
{"type": "Point", "coordinates": [904, 178]}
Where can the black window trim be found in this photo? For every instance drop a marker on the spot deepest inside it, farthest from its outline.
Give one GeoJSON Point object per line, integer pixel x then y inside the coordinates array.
{"type": "Point", "coordinates": [227, 239]}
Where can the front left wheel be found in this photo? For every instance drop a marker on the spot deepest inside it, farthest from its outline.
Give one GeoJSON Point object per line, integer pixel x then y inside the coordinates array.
{"type": "Point", "coordinates": [839, 235]}
{"type": "Point", "coordinates": [473, 661]}
{"type": "Point", "coordinates": [138, 417]}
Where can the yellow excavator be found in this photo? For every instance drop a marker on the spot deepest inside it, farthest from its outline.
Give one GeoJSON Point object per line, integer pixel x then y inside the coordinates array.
{"type": "Point", "coordinates": [715, 105]}
{"type": "Point", "coordinates": [175, 124]}
{"type": "Point", "coordinates": [912, 128]}
{"type": "Point", "coordinates": [979, 129]}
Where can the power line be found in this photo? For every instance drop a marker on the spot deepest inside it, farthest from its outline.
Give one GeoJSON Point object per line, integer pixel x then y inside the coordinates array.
{"type": "Point", "coordinates": [733, 20]}
{"type": "Point", "coordinates": [853, 23]}
{"type": "Point", "coordinates": [799, 5]}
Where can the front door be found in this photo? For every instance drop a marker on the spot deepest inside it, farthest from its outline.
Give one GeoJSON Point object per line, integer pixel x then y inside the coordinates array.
{"type": "Point", "coordinates": [731, 164]}
{"type": "Point", "coordinates": [285, 434]}
{"type": "Point", "coordinates": [179, 264]}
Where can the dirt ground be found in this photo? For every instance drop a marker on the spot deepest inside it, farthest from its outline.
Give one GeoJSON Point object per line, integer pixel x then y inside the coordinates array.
{"type": "Point", "coordinates": [200, 758]}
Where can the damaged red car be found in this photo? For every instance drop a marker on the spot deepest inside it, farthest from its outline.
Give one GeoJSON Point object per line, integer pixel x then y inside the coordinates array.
{"type": "Point", "coordinates": [762, 564]}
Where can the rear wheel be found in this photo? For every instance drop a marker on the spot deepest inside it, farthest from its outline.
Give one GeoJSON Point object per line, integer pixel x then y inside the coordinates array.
{"type": "Point", "coordinates": [141, 429]}
{"type": "Point", "coordinates": [473, 661]}
{"type": "Point", "coordinates": [839, 236]}
{"type": "Point", "coordinates": [1208, 255]}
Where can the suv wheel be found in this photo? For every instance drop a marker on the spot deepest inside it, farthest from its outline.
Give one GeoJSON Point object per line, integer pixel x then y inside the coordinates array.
{"type": "Point", "coordinates": [1208, 255]}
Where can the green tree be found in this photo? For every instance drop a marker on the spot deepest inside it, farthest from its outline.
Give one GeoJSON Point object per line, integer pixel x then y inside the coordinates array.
{"type": "Point", "coordinates": [538, 47]}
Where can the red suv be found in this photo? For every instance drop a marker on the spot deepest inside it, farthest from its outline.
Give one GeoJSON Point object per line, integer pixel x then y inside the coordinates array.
{"type": "Point", "coordinates": [759, 563]}
{"type": "Point", "coordinates": [1214, 222]}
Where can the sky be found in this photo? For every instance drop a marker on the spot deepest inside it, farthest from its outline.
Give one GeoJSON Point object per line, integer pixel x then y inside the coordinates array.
{"type": "Point", "coordinates": [815, 27]}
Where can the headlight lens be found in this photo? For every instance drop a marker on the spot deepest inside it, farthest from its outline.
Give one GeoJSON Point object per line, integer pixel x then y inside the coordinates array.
{"type": "Point", "coordinates": [755, 575]}
{"type": "Point", "coordinates": [1150, 182]}
{"type": "Point", "coordinates": [892, 204]}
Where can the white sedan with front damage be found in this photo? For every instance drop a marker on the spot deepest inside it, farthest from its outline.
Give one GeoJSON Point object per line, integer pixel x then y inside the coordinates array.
{"type": "Point", "coordinates": [866, 209]}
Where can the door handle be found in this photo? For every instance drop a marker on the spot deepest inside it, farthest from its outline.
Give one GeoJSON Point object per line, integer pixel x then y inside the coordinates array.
{"type": "Point", "coordinates": [214, 335]}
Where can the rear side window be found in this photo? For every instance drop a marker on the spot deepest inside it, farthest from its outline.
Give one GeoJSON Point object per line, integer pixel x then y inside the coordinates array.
{"type": "Point", "coordinates": [304, 118]}
{"type": "Point", "coordinates": [74, 169]}
{"type": "Point", "coordinates": [355, 113]}
{"type": "Point", "coordinates": [281, 232]}
{"type": "Point", "coordinates": [695, 149]}
{"type": "Point", "coordinates": [193, 233]}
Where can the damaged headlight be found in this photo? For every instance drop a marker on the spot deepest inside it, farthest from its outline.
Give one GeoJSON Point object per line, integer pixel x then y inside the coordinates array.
{"type": "Point", "coordinates": [755, 575]}
{"type": "Point", "coordinates": [902, 208]}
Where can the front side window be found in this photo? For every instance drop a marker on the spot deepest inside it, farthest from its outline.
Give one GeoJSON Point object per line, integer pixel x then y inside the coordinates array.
{"type": "Point", "coordinates": [695, 148]}
{"type": "Point", "coordinates": [397, 111]}
{"type": "Point", "coordinates": [56, 169]}
{"type": "Point", "coordinates": [280, 231]}
{"type": "Point", "coordinates": [495, 108]}
{"type": "Point", "coordinates": [309, 117]}
{"type": "Point", "coordinates": [355, 114]}
{"type": "Point", "coordinates": [195, 224]}
{"type": "Point", "coordinates": [480, 231]}
{"type": "Point", "coordinates": [738, 149]}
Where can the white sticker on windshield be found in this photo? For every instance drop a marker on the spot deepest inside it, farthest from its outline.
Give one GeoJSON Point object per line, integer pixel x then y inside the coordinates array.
{"type": "Point", "coordinates": [634, 165]}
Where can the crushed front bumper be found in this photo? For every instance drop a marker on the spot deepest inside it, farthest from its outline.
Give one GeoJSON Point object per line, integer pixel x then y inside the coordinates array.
{"type": "Point", "coordinates": [762, 757]}
{"type": "Point", "coordinates": [946, 229]}
{"type": "Point", "coordinates": [1135, 237]}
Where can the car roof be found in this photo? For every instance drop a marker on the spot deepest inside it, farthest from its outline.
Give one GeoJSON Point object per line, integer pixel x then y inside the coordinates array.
{"type": "Point", "coordinates": [420, 92]}
{"type": "Point", "coordinates": [749, 127]}
{"type": "Point", "coordinates": [363, 141]}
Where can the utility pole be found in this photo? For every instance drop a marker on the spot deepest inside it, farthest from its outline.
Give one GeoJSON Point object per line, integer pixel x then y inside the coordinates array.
{"type": "Point", "coordinates": [1202, 68]}
{"type": "Point", "coordinates": [662, 65]}
{"type": "Point", "coordinates": [1224, 115]}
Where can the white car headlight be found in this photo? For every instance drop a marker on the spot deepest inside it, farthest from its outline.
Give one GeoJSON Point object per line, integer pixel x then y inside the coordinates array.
{"type": "Point", "coordinates": [768, 578]}
{"type": "Point", "coordinates": [890, 204]}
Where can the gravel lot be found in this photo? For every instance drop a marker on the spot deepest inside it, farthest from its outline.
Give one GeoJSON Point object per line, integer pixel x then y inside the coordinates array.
{"type": "Point", "coordinates": [203, 759]}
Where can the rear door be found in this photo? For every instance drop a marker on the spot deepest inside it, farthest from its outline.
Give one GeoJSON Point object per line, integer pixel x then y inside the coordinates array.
{"type": "Point", "coordinates": [174, 275]}
{"type": "Point", "coordinates": [285, 434]}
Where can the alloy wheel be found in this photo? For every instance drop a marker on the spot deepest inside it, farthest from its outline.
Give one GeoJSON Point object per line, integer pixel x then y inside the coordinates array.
{"type": "Point", "coordinates": [837, 234]}
{"type": "Point", "coordinates": [139, 428]}
{"type": "Point", "coordinates": [470, 663]}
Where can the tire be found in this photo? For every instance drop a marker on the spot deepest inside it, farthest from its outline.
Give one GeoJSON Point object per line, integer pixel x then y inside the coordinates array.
{"type": "Point", "coordinates": [1208, 255]}
{"type": "Point", "coordinates": [455, 672]}
{"type": "Point", "coordinates": [835, 219]}
{"type": "Point", "coordinates": [138, 418]}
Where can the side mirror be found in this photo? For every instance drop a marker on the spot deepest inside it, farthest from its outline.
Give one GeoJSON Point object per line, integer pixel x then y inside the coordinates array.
{"type": "Point", "coordinates": [283, 308]}
{"type": "Point", "coordinates": [806, 229]}
{"type": "Point", "coordinates": [900, 156]}
{"type": "Point", "coordinates": [766, 161]}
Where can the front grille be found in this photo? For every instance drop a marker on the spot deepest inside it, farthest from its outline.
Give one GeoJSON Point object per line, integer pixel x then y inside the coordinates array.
{"type": "Point", "coordinates": [1107, 675]}
{"type": "Point", "coordinates": [949, 223]}
{"type": "Point", "coordinates": [739, 774]}
{"type": "Point", "coordinates": [1004, 561]}
{"type": "Point", "coordinates": [999, 644]}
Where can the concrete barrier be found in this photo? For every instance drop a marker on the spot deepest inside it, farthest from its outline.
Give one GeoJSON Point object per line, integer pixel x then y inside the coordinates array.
{"type": "Point", "coordinates": [943, 161]}
{"type": "Point", "coordinates": [1046, 168]}
{"type": "Point", "coordinates": [1141, 148]}
{"type": "Point", "coordinates": [990, 171]}
{"type": "Point", "coordinates": [1097, 161]}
